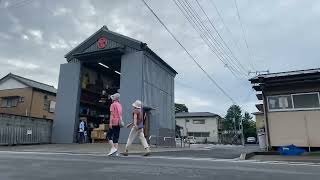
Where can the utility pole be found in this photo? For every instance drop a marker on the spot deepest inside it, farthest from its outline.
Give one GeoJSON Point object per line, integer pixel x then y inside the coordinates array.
{"type": "Point", "coordinates": [242, 135]}
{"type": "Point", "coordinates": [234, 123]}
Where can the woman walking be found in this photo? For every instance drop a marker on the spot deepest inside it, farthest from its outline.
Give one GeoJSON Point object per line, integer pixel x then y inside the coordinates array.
{"type": "Point", "coordinates": [137, 129]}
{"type": "Point", "coordinates": [114, 123]}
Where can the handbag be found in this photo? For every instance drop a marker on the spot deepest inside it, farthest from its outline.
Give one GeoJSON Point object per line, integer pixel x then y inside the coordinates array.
{"type": "Point", "coordinates": [121, 123]}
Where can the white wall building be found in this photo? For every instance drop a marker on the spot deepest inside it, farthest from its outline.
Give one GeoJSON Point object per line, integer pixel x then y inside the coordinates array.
{"type": "Point", "coordinates": [201, 125]}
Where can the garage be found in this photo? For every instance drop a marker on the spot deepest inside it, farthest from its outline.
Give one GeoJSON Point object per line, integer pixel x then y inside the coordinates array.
{"type": "Point", "coordinates": [104, 64]}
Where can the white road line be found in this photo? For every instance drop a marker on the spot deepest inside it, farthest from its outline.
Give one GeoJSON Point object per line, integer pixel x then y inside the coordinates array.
{"type": "Point", "coordinates": [51, 153]}
{"type": "Point", "coordinates": [236, 160]}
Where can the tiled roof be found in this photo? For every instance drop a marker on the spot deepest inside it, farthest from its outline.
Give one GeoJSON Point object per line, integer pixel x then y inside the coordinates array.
{"type": "Point", "coordinates": [195, 114]}
{"type": "Point", "coordinates": [32, 83]}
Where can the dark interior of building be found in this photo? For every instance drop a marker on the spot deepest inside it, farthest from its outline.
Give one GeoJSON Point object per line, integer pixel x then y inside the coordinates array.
{"type": "Point", "coordinates": [100, 78]}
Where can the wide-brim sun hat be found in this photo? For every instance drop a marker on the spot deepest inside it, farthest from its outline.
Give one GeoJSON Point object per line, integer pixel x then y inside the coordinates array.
{"type": "Point", "coordinates": [115, 96]}
{"type": "Point", "coordinates": [137, 104]}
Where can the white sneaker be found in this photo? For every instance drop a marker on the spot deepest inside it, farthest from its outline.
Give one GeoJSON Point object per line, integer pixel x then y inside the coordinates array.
{"type": "Point", "coordinates": [112, 151]}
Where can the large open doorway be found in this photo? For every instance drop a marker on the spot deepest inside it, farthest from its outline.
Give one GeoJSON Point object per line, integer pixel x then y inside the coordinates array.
{"type": "Point", "coordinates": [100, 78]}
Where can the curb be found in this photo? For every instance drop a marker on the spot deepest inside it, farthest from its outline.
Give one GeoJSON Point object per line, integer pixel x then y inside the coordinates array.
{"type": "Point", "coordinates": [246, 156]}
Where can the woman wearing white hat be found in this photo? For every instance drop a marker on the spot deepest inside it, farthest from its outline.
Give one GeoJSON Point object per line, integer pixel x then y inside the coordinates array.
{"type": "Point", "coordinates": [114, 123]}
{"type": "Point", "coordinates": [137, 129]}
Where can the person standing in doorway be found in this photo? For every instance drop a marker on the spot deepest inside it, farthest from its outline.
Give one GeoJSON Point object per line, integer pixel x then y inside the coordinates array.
{"type": "Point", "coordinates": [81, 132]}
{"type": "Point", "coordinates": [137, 129]}
{"type": "Point", "coordinates": [114, 123]}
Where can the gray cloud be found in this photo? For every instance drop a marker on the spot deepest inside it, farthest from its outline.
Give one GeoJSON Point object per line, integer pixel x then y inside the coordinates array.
{"type": "Point", "coordinates": [283, 35]}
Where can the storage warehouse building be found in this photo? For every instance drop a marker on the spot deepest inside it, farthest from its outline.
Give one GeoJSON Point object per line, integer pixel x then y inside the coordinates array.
{"type": "Point", "coordinates": [106, 63]}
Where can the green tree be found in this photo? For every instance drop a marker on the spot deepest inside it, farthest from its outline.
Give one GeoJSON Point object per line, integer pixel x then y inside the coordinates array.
{"type": "Point", "coordinates": [249, 126]}
{"type": "Point", "coordinates": [180, 108]}
{"type": "Point", "coordinates": [232, 118]}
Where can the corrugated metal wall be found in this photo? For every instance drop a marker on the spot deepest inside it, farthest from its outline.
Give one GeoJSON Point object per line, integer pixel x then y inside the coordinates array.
{"type": "Point", "coordinates": [24, 130]}
{"type": "Point", "coordinates": [68, 101]}
{"type": "Point", "coordinates": [130, 87]}
{"type": "Point", "coordinates": [158, 92]}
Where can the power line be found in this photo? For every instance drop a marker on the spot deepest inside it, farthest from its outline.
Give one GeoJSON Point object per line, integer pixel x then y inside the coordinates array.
{"type": "Point", "coordinates": [230, 62]}
{"type": "Point", "coordinates": [203, 36]}
{"type": "Point", "coordinates": [236, 60]}
{"type": "Point", "coordinates": [194, 60]}
{"type": "Point", "coordinates": [224, 24]}
{"type": "Point", "coordinates": [216, 46]}
{"type": "Point", "coordinates": [244, 34]}
{"type": "Point", "coordinates": [232, 69]}
{"type": "Point", "coordinates": [19, 3]}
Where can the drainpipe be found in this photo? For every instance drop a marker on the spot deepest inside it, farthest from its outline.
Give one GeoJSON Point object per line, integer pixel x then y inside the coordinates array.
{"type": "Point", "coordinates": [307, 132]}
{"type": "Point", "coordinates": [266, 122]}
{"type": "Point", "coordinates": [30, 109]}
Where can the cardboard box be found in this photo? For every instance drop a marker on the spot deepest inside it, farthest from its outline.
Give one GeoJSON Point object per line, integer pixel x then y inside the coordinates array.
{"type": "Point", "coordinates": [94, 134]}
{"type": "Point", "coordinates": [103, 127]}
{"type": "Point", "coordinates": [98, 134]}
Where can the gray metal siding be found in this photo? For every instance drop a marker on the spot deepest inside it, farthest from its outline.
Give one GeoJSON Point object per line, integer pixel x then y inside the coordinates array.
{"type": "Point", "coordinates": [130, 86]}
{"type": "Point", "coordinates": [67, 108]}
{"type": "Point", "coordinates": [158, 92]}
{"type": "Point", "coordinates": [13, 130]}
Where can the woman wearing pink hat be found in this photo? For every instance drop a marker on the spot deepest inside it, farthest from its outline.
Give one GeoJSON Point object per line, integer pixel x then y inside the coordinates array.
{"type": "Point", "coordinates": [137, 129]}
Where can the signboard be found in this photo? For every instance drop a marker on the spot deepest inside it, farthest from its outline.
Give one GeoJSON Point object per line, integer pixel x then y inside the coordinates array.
{"type": "Point", "coordinates": [102, 42]}
{"type": "Point", "coordinates": [29, 131]}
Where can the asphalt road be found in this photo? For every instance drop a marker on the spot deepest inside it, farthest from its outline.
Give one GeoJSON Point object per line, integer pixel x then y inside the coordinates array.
{"type": "Point", "coordinates": [212, 152]}
{"type": "Point", "coordinates": [36, 166]}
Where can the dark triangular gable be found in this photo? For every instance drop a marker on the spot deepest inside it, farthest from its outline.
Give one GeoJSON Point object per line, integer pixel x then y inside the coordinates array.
{"type": "Point", "coordinates": [114, 40]}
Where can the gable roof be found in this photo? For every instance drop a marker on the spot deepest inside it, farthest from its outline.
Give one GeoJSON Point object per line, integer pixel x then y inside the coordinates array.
{"type": "Point", "coordinates": [31, 83]}
{"type": "Point", "coordinates": [119, 38]}
{"type": "Point", "coordinates": [195, 114]}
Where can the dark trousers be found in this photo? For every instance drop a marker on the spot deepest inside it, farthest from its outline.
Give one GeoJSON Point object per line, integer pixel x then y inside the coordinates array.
{"type": "Point", "coordinates": [113, 134]}
{"type": "Point", "coordinates": [81, 137]}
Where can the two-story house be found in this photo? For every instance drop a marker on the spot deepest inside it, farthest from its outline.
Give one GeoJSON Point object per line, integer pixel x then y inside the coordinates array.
{"type": "Point", "coordinates": [25, 97]}
{"type": "Point", "coordinates": [204, 126]}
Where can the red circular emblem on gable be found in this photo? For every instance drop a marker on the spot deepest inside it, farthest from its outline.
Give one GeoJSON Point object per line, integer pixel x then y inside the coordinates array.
{"type": "Point", "coordinates": [102, 42]}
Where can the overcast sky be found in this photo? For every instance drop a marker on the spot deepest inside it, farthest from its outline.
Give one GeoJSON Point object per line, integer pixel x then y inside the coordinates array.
{"type": "Point", "coordinates": [282, 35]}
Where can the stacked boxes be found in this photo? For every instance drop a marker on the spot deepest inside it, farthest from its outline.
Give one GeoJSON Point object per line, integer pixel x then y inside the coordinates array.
{"type": "Point", "coordinates": [100, 133]}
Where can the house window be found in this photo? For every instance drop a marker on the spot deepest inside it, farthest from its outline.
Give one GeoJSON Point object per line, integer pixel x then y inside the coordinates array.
{"type": "Point", "coordinates": [187, 120]}
{"type": "Point", "coordinates": [8, 102]}
{"type": "Point", "coordinates": [46, 103]}
{"type": "Point", "coordinates": [205, 134]}
{"type": "Point", "coordinates": [199, 134]}
{"type": "Point", "coordinates": [309, 100]}
{"type": "Point", "coordinates": [280, 102]}
{"type": "Point", "coordinates": [52, 106]}
{"type": "Point", "coordinates": [21, 99]}
{"type": "Point", "coordinates": [294, 102]}
{"type": "Point", "coordinates": [199, 121]}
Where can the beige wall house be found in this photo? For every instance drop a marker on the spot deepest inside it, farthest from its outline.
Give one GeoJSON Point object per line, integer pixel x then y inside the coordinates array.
{"type": "Point", "coordinates": [25, 97]}
{"type": "Point", "coordinates": [201, 125]}
{"type": "Point", "coordinates": [290, 107]}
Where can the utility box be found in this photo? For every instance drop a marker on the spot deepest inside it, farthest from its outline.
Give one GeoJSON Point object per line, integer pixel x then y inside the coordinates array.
{"type": "Point", "coordinates": [104, 64]}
